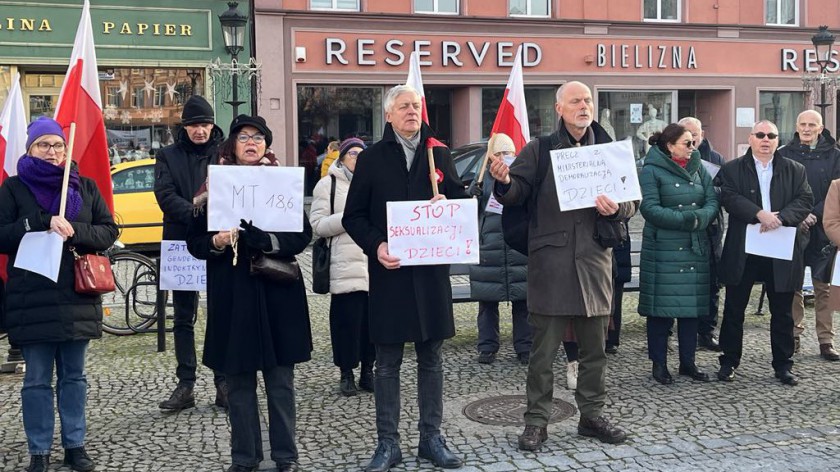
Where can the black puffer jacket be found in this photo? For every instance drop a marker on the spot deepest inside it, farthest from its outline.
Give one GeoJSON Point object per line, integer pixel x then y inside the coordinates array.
{"type": "Point", "coordinates": [180, 169]}
{"type": "Point", "coordinates": [502, 273]}
{"type": "Point", "coordinates": [37, 309]}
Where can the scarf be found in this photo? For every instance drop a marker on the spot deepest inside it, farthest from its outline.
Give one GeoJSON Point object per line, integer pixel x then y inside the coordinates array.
{"type": "Point", "coordinates": [44, 181]}
{"type": "Point", "coordinates": [409, 147]}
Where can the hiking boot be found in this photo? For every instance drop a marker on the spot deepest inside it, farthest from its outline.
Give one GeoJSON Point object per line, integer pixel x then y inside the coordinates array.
{"type": "Point", "coordinates": [180, 399]}
{"type": "Point", "coordinates": [599, 427]}
{"type": "Point", "coordinates": [78, 459]}
{"type": "Point", "coordinates": [533, 437]}
{"type": "Point", "coordinates": [39, 463]}
{"type": "Point", "coordinates": [828, 353]}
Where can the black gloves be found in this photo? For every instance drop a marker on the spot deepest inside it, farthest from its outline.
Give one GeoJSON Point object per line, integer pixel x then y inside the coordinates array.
{"type": "Point", "coordinates": [476, 189]}
{"type": "Point", "coordinates": [254, 237]}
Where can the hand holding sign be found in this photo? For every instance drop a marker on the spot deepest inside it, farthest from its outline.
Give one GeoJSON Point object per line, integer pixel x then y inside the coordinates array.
{"type": "Point", "coordinates": [427, 233]}
{"type": "Point", "coordinates": [581, 174]}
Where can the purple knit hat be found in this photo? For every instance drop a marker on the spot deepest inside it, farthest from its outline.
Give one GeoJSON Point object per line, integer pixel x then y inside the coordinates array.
{"type": "Point", "coordinates": [348, 144]}
{"type": "Point", "coordinates": [41, 127]}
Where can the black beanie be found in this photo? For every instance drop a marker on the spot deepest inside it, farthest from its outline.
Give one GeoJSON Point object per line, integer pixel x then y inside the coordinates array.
{"type": "Point", "coordinates": [258, 122]}
{"type": "Point", "coordinates": [196, 111]}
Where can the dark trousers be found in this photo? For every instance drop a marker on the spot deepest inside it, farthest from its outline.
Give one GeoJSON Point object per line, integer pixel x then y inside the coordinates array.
{"type": "Point", "coordinates": [488, 327]}
{"type": "Point", "coordinates": [246, 446]}
{"type": "Point", "coordinates": [349, 333]}
{"type": "Point", "coordinates": [185, 304]}
{"type": "Point", "coordinates": [757, 269]}
{"type": "Point", "coordinates": [657, 337]}
{"type": "Point", "coordinates": [572, 350]}
{"type": "Point", "coordinates": [429, 389]}
{"type": "Point", "coordinates": [614, 333]}
{"type": "Point", "coordinates": [706, 323]}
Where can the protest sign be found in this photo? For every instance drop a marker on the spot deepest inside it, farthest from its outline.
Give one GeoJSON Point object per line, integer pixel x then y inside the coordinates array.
{"type": "Point", "coordinates": [179, 270]}
{"type": "Point", "coordinates": [270, 196]}
{"type": "Point", "coordinates": [583, 173]}
{"type": "Point", "coordinates": [423, 233]}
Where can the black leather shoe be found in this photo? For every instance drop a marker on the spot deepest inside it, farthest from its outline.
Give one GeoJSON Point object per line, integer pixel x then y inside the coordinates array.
{"type": "Point", "coordinates": [38, 463]}
{"type": "Point", "coordinates": [726, 373]}
{"type": "Point", "coordinates": [289, 467]}
{"type": "Point", "coordinates": [435, 450]}
{"type": "Point", "coordinates": [533, 437]}
{"type": "Point", "coordinates": [348, 384]}
{"type": "Point", "coordinates": [366, 378]}
{"type": "Point", "coordinates": [240, 468]}
{"type": "Point", "coordinates": [708, 341]}
{"type": "Point", "coordinates": [610, 349]}
{"type": "Point", "coordinates": [524, 357]}
{"type": "Point", "coordinates": [222, 396]}
{"type": "Point", "coordinates": [78, 459]}
{"type": "Point", "coordinates": [695, 373]}
{"type": "Point", "coordinates": [599, 427]}
{"type": "Point", "coordinates": [386, 456]}
{"type": "Point", "coordinates": [180, 399]}
{"type": "Point", "coordinates": [486, 357]}
{"type": "Point", "coordinates": [661, 374]}
{"type": "Point", "coordinates": [786, 377]}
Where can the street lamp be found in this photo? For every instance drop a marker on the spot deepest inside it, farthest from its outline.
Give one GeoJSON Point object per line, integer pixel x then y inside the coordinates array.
{"type": "Point", "coordinates": [823, 41]}
{"type": "Point", "coordinates": [233, 30]}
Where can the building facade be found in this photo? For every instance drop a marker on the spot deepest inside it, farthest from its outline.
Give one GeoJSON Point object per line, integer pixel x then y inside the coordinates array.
{"type": "Point", "coordinates": [327, 64]}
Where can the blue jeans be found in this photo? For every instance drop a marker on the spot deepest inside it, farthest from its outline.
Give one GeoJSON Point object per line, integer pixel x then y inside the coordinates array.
{"type": "Point", "coordinates": [37, 394]}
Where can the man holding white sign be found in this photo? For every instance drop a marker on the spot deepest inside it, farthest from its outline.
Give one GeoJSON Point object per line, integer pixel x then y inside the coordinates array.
{"type": "Point", "coordinates": [569, 272]}
{"type": "Point", "coordinates": [407, 303]}
{"type": "Point", "coordinates": [761, 187]}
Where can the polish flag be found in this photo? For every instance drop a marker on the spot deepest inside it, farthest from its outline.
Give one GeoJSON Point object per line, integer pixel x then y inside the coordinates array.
{"type": "Point", "coordinates": [12, 141]}
{"type": "Point", "coordinates": [512, 117]}
{"type": "Point", "coordinates": [415, 79]}
{"type": "Point", "coordinates": [81, 102]}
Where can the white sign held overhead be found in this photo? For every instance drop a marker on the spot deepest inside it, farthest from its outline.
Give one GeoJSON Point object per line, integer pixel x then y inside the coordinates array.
{"type": "Point", "coordinates": [179, 270]}
{"type": "Point", "coordinates": [423, 233]}
{"type": "Point", "coordinates": [271, 197]}
{"type": "Point", "coordinates": [583, 173]}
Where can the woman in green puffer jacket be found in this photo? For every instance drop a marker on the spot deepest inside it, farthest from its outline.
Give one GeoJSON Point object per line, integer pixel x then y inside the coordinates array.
{"type": "Point", "coordinates": [678, 203]}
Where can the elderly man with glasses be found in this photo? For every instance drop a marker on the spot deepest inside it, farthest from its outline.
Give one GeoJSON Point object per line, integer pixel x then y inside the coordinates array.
{"type": "Point", "coordinates": [761, 188]}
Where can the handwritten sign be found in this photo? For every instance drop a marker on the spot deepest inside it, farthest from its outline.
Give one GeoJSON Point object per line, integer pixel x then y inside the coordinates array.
{"type": "Point", "coordinates": [423, 233]}
{"type": "Point", "coordinates": [179, 270]}
{"type": "Point", "coordinates": [583, 173]}
{"type": "Point", "coordinates": [270, 196]}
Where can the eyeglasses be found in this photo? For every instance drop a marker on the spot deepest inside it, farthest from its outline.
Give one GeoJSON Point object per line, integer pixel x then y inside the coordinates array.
{"type": "Point", "coordinates": [762, 135]}
{"type": "Point", "coordinates": [244, 137]}
{"type": "Point", "coordinates": [44, 146]}
{"type": "Point", "coordinates": [689, 143]}
{"type": "Point", "coordinates": [352, 153]}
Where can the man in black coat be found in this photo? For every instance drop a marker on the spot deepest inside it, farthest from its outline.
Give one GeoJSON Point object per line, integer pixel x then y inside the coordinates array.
{"type": "Point", "coordinates": [407, 304]}
{"type": "Point", "coordinates": [761, 187]}
{"type": "Point", "coordinates": [180, 170]}
{"type": "Point", "coordinates": [813, 147]}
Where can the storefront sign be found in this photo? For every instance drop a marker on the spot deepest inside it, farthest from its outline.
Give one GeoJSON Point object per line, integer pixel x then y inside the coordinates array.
{"type": "Point", "coordinates": [423, 233]}
{"type": "Point", "coordinates": [806, 60]}
{"type": "Point", "coordinates": [661, 56]}
{"type": "Point", "coordinates": [448, 53]}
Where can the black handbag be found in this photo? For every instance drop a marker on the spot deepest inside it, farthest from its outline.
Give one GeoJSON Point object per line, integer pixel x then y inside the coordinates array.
{"type": "Point", "coordinates": [321, 255]}
{"type": "Point", "coordinates": [609, 232]}
{"type": "Point", "coordinates": [282, 270]}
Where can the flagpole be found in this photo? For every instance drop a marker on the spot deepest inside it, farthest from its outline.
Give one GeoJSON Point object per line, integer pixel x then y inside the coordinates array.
{"type": "Point", "coordinates": [68, 161]}
{"type": "Point", "coordinates": [432, 173]}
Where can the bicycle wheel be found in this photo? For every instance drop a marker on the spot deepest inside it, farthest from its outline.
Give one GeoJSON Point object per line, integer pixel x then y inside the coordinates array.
{"type": "Point", "coordinates": [132, 306]}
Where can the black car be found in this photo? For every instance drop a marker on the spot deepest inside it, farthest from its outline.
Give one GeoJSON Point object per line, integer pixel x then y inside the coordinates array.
{"type": "Point", "coordinates": [468, 160]}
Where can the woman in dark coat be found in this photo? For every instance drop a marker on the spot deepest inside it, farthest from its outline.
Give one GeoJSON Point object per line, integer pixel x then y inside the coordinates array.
{"type": "Point", "coordinates": [253, 324]}
{"type": "Point", "coordinates": [678, 203]}
{"type": "Point", "coordinates": [50, 321]}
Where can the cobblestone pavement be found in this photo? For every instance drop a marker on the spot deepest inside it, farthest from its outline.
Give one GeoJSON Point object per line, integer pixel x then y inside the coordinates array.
{"type": "Point", "coordinates": [754, 423]}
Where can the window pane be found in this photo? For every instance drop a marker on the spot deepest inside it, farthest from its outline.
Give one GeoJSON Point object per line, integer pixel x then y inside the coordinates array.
{"type": "Point", "coordinates": [447, 6]}
{"type": "Point", "coordinates": [650, 10]}
{"type": "Point", "coordinates": [348, 4]}
{"type": "Point", "coordinates": [325, 4]}
{"type": "Point", "coordinates": [669, 10]}
{"type": "Point", "coordinates": [542, 119]}
{"type": "Point", "coordinates": [781, 108]}
{"type": "Point", "coordinates": [518, 7]}
{"type": "Point", "coordinates": [635, 115]}
{"type": "Point", "coordinates": [539, 7]}
{"type": "Point", "coordinates": [788, 13]}
{"type": "Point", "coordinates": [770, 7]}
{"type": "Point", "coordinates": [424, 5]}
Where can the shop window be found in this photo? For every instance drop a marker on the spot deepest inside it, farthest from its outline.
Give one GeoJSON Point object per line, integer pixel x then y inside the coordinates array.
{"type": "Point", "coordinates": [138, 97]}
{"type": "Point", "coordinates": [542, 117]}
{"type": "Point", "coordinates": [160, 95]}
{"type": "Point", "coordinates": [781, 12]}
{"type": "Point", "coordinates": [662, 10]}
{"type": "Point", "coordinates": [529, 8]}
{"type": "Point", "coordinates": [635, 115]}
{"type": "Point", "coordinates": [113, 97]}
{"type": "Point", "coordinates": [334, 5]}
{"type": "Point", "coordinates": [782, 109]}
{"type": "Point", "coordinates": [445, 7]}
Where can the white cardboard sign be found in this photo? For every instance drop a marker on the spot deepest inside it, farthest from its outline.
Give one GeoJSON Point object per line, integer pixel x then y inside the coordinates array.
{"type": "Point", "coordinates": [270, 196]}
{"type": "Point", "coordinates": [583, 173]}
{"type": "Point", "coordinates": [179, 270]}
{"type": "Point", "coordinates": [423, 233]}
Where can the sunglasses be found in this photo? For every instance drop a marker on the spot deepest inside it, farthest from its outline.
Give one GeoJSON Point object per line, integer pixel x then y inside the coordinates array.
{"type": "Point", "coordinates": [244, 137]}
{"type": "Point", "coordinates": [45, 146]}
{"type": "Point", "coordinates": [689, 143]}
{"type": "Point", "coordinates": [762, 135]}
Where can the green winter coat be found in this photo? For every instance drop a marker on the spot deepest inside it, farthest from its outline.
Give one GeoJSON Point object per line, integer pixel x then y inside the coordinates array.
{"type": "Point", "coordinates": [677, 205]}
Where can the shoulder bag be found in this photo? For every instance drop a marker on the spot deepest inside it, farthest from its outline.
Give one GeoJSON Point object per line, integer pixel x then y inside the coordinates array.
{"type": "Point", "coordinates": [93, 274]}
{"type": "Point", "coordinates": [282, 270]}
{"type": "Point", "coordinates": [321, 255]}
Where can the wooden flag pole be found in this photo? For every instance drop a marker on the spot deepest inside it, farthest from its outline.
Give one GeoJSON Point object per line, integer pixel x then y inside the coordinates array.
{"type": "Point", "coordinates": [432, 172]}
{"type": "Point", "coordinates": [68, 161]}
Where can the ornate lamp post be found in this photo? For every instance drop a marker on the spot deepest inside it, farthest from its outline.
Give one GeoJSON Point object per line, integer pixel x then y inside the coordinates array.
{"type": "Point", "coordinates": [823, 41]}
{"type": "Point", "coordinates": [233, 30]}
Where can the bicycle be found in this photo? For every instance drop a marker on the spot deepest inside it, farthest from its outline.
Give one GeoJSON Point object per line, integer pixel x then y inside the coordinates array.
{"type": "Point", "coordinates": [132, 307]}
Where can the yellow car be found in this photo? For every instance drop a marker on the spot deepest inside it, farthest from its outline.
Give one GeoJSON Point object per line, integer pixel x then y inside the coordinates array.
{"type": "Point", "coordinates": [136, 210]}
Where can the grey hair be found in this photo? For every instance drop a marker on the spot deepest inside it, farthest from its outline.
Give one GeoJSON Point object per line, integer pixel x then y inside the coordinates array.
{"type": "Point", "coordinates": [394, 92]}
{"type": "Point", "coordinates": [562, 88]}
{"type": "Point", "coordinates": [692, 120]}
{"type": "Point", "coordinates": [768, 122]}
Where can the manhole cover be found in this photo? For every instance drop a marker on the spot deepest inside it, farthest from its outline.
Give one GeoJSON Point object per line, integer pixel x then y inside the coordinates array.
{"type": "Point", "coordinates": [507, 410]}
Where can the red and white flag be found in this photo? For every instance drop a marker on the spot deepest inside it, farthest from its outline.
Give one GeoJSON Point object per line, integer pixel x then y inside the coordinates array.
{"type": "Point", "coordinates": [81, 102]}
{"type": "Point", "coordinates": [512, 117]}
{"type": "Point", "coordinates": [415, 79]}
{"type": "Point", "coordinates": [12, 131]}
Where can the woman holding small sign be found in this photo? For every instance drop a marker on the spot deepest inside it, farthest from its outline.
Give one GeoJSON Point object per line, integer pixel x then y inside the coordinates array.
{"type": "Point", "coordinates": [253, 323]}
{"type": "Point", "coordinates": [678, 203]}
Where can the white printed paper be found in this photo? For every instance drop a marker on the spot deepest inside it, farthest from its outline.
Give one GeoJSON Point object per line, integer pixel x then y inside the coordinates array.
{"type": "Point", "coordinates": [777, 243]}
{"type": "Point", "coordinates": [583, 173]}
{"type": "Point", "coordinates": [712, 169]}
{"type": "Point", "coordinates": [40, 252]}
{"type": "Point", "coordinates": [270, 196]}
{"type": "Point", "coordinates": [835, 272]}
{"type": "Point", "coordinates": [179, 270]}
{"type": "Point", "coordinates": [423, 233]}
